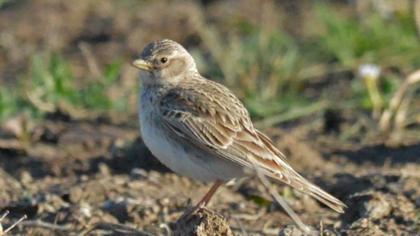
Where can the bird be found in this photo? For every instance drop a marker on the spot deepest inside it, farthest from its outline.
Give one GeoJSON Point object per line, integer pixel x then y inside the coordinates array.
{"type": "Point", "coordinates": [200, 129]}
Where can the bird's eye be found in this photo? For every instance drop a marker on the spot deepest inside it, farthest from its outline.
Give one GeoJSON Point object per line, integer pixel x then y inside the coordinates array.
{"type": "Point", "coordinates": [163, 59]}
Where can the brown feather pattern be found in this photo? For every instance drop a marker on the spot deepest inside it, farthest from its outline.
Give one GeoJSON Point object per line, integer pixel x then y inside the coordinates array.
{"type": "Point", "coordinates": [208, 115]}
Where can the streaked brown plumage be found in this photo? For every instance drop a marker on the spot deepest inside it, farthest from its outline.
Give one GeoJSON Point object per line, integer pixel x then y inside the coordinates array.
{"type": "Point", "coordinates": [199, 128]}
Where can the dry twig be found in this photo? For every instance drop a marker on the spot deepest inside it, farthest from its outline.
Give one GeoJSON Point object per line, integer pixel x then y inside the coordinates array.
{"type": "Point", "coordinates": [398, 105]}
{"type": "Point", "coordinates": [118, 229]}
{"type": "Point", "coordinates": [46, 225]}
{"type": "Point", "coordinates": [10, 227]}
{"type": "Point", "coordinates": [273, 192]}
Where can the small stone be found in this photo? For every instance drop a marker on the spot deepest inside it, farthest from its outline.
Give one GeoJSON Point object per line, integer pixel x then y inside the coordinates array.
{"type": "Point", "coordinates": [104, 169]}
{"type": "Point", "coordinates": [86, 209]}
{"type": "Point", "coordinates": [364, 226]}
{"type": "Point", "coordinates": [25, 177]}
{"type": "Point", "coordinates": [291, 230]}
{"type": "Point", "coordinates": [76, 194]}
{"type": "Point", "coordinates": [294, 230]}
{"type": "Point", "coordinates": [377, 208]}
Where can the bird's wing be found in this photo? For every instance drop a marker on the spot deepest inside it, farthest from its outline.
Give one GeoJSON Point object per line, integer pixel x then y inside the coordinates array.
{"type": "Point", "coordinates": [212, 117]}
{"type": "Point", "coordinates": [208, 115]}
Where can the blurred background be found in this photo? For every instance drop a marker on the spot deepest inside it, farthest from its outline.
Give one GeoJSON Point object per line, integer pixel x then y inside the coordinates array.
{"type": "Point", "coordinates": [339, 77]}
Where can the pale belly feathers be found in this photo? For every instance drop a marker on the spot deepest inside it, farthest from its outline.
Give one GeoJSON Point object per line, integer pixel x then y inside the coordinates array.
{"type": "Point", "coordinates": [177, 159]}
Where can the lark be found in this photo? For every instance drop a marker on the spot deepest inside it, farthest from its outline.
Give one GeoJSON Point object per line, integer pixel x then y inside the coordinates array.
{"type": "Point", "coordinates": [199, 128]}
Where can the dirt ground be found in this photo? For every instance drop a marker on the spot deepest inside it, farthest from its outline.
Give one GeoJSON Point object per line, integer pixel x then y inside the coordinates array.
{"type": "Point", "coordinates": [74, 176]}
{"type": "Point", "coordinates": [79, 174]}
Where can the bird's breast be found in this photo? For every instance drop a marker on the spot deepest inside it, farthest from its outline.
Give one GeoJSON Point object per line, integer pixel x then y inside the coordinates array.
{"type": "Point", "coordinates": [166, 148]}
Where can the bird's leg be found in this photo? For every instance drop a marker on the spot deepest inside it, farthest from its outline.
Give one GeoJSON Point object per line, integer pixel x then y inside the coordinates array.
{"type": "Point", "coordinates": [203, 202]}
{"type": "Point", "coordinates": [206, 199]}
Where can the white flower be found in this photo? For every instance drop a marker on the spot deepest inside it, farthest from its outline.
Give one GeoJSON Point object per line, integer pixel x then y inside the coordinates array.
{"type": "Point", "coordinates": [371, 71]}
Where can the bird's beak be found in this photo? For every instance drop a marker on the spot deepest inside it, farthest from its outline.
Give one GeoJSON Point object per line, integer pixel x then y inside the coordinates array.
{"type": "Point", "coordinates": [142, 64]}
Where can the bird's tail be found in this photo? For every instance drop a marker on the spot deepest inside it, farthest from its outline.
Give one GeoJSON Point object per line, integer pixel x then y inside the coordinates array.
{"type": "Point", "coordinates": [277, 168]}
{"type": "Point", "coordinates": [324, 197]}
{"type": "Point", "coordinates": [295, 180]}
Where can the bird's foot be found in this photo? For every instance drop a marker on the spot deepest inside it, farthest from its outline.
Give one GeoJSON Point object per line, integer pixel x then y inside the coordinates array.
{"type": "Point", "coordinates": [188, 213]}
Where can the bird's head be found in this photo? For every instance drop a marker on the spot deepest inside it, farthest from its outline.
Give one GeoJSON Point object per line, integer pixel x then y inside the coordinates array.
{"type": "Point", "coordinates": [164, 61]}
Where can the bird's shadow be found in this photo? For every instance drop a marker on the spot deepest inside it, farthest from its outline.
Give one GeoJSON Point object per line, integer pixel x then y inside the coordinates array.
{"type": "Point", "coordinates": [380, 154]}
{"type": "Point", "coordinates": [133, 156]}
